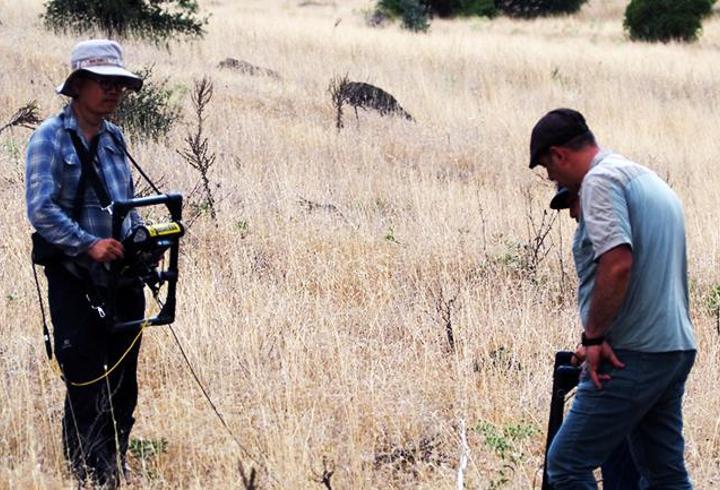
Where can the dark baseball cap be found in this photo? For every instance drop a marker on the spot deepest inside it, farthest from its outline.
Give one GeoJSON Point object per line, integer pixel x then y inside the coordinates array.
{"type": "Point", "coordinates": [555, 129]}
{"type": "Point", "coordinates": [561, 199]}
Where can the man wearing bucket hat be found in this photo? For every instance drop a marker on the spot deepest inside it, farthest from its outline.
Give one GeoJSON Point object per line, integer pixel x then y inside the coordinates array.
{"type": "Point", "coordinates": [630, 256]}
{"type": "Point", "coordinates": [64, 207]}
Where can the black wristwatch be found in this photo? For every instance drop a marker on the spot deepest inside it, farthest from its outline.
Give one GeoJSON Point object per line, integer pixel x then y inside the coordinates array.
{"type": "Point", "coordinates": [586, 342]}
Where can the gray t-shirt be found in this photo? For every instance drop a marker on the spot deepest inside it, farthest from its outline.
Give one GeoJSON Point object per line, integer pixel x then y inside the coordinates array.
{"type": "Point", "coordinates": [624, 203]}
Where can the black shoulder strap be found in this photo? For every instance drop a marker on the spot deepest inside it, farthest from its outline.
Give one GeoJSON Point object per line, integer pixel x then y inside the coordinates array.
{"type": "Point", "coordinates": [86, 160]}
{"type": "Point", "coordinates": [137, 166]}
{"type": "Point", "coordinates": [79, 196]}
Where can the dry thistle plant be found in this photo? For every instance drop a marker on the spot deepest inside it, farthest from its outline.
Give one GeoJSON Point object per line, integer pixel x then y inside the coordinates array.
{"type": "Point", "coordinates": [26, 116]}
{"type": "Point", "coordinates": [198, 154]}
{"type": "Point", "coordinates": [337, 96]}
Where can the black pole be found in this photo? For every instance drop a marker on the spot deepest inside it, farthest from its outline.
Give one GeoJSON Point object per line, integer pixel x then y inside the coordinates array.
{"type": "Point", "coordinates": [565, 378]}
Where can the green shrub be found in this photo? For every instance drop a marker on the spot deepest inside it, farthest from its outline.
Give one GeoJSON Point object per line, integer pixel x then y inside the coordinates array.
{"type": "Point", "coordinates": [156, 20]}
{"type": "Point", "coordinates": [150, 113]}
{"type": "Point", "coordinates": [538, 8]}
{"type": "Point", "coordinates": [414, 13]}
{"type": "Point", "coordinates": [396, 8]}
{"type": "Point", "coordinates": [415, 16]}
{"type": "Point", "coordinates": [452, 8]}
{"type": "Point", "coordinates": [666, 20]}
{"type": "Point", "coordinates": [440, 8]}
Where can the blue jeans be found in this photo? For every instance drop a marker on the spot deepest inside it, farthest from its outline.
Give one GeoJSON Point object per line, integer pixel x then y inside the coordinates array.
{"type": "Point", "coordinates": [643, 402]}
{"type": "Point", "coordinates": [619, 471]}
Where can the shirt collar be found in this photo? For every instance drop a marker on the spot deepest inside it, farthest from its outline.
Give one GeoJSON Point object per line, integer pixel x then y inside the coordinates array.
{"type": "Point", "coordinates": [70, 121]}
{"type": "Point", "coordinates": [599, 157]}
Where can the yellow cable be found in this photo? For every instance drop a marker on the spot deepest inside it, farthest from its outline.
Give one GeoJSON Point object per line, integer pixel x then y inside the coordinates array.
{"type": "Point", "coordinates": [56, 368]}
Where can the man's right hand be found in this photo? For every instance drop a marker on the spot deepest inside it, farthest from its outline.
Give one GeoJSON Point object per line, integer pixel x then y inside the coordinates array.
{"type": "Point", "coordinates": [106, 250]}
{"type": "Point", "coordinates": [594, 355]}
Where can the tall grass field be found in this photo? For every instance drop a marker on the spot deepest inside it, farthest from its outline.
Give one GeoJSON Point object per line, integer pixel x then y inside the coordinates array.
{"type": "Point", "coordinates": [373, 303]}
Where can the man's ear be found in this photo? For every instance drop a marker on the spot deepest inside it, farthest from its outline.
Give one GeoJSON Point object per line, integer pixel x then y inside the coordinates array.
{"type": "Point", "coordinates": [560, 154]}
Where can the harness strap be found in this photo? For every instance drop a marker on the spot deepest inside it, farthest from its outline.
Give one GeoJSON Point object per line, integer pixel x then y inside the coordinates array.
{"type": "Point", "coordinates": [86, 160]}
{"type": "Point", "coordinates": [46, 331]}
{"type": "Point", "coordinates": [135, 164]}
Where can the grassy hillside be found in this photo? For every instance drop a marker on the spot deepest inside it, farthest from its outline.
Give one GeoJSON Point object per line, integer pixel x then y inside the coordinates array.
{"type": "Point", "coordinates": [317, 310]}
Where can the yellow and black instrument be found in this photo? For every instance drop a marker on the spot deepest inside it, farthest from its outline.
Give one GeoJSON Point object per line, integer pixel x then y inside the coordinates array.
{"type": "Point", "coordinates": [151, 255]}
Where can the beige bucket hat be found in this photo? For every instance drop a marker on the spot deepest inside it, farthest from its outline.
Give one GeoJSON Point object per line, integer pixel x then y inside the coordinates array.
{"type": "Point", "coordinates": [101, 57]}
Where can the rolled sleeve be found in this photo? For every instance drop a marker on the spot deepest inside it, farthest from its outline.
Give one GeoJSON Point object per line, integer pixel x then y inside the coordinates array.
{"type": "Point", "coordinates": [605, 212]}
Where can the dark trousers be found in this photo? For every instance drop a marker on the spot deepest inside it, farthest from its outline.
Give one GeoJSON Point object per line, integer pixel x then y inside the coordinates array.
{"type": "Point", "coordinates": [619, 471]}
{"type": "Point", "coordinates": [641, 403]}
{"type": "Point", "coordinates": [98, 417]}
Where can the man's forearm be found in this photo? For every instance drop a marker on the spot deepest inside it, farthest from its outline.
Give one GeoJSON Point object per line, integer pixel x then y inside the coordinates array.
{"type": "Point", "coordinates": [611, 283]}
{"type": "Point", "coordinates": [57, 228]}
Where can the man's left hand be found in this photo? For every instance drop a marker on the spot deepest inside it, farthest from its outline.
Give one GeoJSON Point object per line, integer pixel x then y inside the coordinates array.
{"type": "Point", "coordinates": [594, 355]}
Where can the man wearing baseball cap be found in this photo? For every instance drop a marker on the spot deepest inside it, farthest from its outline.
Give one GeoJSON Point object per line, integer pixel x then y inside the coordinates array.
{"type": "Point", "coordinates": [630, 256]}
{"type": "Point", "coordinates": [66, 210]}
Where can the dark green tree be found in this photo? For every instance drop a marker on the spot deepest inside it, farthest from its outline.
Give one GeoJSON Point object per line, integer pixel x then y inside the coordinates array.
{"type": "Point", "coordinates": [440, 8]}
{"type": "Point", "coordinates": [414, 13]}
{"type": "Point", "coordinates": [452, 8]}
{"type": "Point", "coordinates": [666, 20]}
{"type": "Point", "coordinates": [537, 8]}
{"type": "Point", "coordinates": [157, 20]}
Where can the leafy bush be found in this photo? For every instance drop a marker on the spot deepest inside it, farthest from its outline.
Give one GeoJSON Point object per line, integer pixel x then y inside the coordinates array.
{"type": "Point", "coordinates": [451, 8]}
{"type": "Point", "coordinates": [156, 20]}
{"type": "Point", "coordinates": [441, 8]}
{"type": "Point", "coordinates": [415, 17]}
{"type": "Point", "coordinates": [150, 113]}
{"type": "Point", "coordinates": [509, 444]}
{"type": "Point", "coordinates": [414, 13]}
{"type": "Point", "coordinates": [666, 20]}
{"type": "Point", "coordinates": [538, 8]}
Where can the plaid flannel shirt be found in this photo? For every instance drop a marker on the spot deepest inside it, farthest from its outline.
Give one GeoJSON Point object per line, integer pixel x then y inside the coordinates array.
{"type": "Point", "coordinates": [52, 175]}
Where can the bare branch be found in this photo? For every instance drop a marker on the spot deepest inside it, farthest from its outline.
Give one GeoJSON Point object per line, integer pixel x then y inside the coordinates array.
{"type": "Point", "coordinates": [327, 473]}
{"type": "Point", "coordinates": [537, 246]}
{"type": "Point", "coordinates": [26, 116]}
{"type": "Point", "coordinates": [249, 481]}
{"type": "Point", "coordinates": [143, 188]}
{"type": "Point", "coordinates": [464, 453]}
{"type": "Point", "coordinates": [445, 306]}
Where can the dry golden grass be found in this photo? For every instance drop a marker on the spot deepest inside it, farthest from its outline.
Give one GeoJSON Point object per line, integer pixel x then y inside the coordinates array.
{"type": "Point", "coordinates": [318, 333]}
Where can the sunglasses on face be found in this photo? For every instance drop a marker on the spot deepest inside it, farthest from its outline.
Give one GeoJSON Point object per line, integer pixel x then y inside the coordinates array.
{"type": "Point", "coordinates": [109, 83]}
